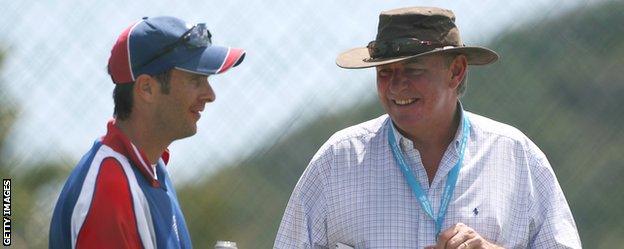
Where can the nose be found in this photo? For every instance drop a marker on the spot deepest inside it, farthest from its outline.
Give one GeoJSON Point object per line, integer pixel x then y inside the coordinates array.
{"type": "Point", "coordinates": [207, 94]}
{"type": "Point", "coordinates": [397, 82]}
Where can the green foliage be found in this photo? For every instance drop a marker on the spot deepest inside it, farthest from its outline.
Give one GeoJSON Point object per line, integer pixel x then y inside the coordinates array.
{"type": "Point", "coordinates": [33, 194]}
{"type": "Point", "coordinates": [32, 187]}
{"type": "Point", "coordinates": [558, 81]}
{"type": "Point", "coordinates": [8, 114]}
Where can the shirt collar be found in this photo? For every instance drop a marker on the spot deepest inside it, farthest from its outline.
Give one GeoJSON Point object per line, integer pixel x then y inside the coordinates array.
{"type": "Point", "coordinates": [120, 143]}
{"type": "Point", "coordinates": [456, 141]}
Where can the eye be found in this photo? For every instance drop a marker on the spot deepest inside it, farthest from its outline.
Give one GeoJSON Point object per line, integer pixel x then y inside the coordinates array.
{"type": "Point", "coordinates": [414, 71]}
{"type": "Point", "coordinates": [195, 82]}
{"type": "Point", "coordinates": [384, 72]}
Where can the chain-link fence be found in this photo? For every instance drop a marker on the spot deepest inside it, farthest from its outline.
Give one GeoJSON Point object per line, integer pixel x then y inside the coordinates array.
{"type": "Point", "coordinates": [557, 81]}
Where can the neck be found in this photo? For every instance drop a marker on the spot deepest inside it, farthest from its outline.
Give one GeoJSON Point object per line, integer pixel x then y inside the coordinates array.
{"type": "Point", "coordinates": [437, 134]}
{"type": "Point", "coordinates": [431, 141]}
{"type": "Point", "coordinates": [142, 135]}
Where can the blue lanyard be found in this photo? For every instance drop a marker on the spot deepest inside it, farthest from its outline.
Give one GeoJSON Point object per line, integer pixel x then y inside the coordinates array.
{"type": "Point", "coordinates": [451, 180]}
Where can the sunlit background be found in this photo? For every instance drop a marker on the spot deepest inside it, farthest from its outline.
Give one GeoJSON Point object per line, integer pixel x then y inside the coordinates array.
{"type": "Point", "coordinates": [559, 80]}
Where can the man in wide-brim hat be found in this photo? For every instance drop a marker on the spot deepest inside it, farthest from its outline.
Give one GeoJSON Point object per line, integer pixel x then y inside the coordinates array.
{"type": "Point", "coordinates": [429, 173]}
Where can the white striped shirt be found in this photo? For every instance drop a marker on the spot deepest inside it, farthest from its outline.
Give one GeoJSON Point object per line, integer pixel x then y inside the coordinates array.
{"type": "Point", "coordinates": [352, 192]}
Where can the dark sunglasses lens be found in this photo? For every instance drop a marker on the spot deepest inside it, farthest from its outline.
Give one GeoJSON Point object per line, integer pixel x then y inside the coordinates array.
{"type": "Point", "coordinates": [199, 36]}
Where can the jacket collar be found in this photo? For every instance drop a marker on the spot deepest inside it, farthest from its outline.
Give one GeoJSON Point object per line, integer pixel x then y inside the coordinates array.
{"type": "Point", "coordinates": [120, 143]}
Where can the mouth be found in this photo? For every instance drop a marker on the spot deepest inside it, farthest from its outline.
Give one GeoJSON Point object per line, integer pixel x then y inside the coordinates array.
{"type": "Point", "coordinates": [404, 102]}
{"type": "Point", "coordinates": [197, 112]}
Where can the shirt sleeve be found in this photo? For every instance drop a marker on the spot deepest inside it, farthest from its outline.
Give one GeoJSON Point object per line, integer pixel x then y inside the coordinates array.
{"type": "Point", "coordinates": [552, 224]}
{"type": "Point", "coordinates": [304, 222]}
{"type": "Point", "coordinates": [110, 222]}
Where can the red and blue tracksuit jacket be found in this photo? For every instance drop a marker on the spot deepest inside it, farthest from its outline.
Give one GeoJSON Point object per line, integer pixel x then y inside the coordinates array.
{"type": "Point", "coordinates": [115, 199]}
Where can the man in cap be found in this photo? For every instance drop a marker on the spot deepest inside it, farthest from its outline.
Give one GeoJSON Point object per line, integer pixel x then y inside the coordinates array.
{"type": "Point", "coordinates": [120, 195]}
{"type": "Point", "coordinates": [429, 173]}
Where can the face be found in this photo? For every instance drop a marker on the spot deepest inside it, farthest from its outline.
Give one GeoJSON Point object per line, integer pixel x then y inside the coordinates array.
{"type": "Point", "coordinates": [417, 94]}
{"type": "Point", "coordinates": [178, 111]}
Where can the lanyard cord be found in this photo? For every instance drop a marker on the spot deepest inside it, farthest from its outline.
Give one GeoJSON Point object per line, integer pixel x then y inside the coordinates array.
{"type": "Point", "coordinates": [451, 180]}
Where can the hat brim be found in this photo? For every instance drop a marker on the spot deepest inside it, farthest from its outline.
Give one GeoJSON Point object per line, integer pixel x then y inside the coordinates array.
{"type": "Point", "coordinates": [212, 60]}
{"type": "Point", "coordinates": [360, 58]}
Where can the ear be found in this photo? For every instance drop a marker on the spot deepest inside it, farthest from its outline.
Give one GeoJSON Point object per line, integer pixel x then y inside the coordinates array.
{"type": "Point", "coordinates": [145, 88]}
{"type": "Point", "coordinates": [458, 70]}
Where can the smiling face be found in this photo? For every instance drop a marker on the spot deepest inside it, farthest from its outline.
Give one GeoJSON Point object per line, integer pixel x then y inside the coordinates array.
{"type": "Point", "coordinates": [178, 111]}
{"type": "Point", "coordinates": [419, 94]}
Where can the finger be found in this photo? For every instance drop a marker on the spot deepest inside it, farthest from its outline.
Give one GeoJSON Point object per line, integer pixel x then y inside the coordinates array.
{"type": "Point", "coordinates": [464, 234]}
{"type": "Point", "coordinates": [471, 243]}
{"type": "Point", "coordinates": [446, 235]}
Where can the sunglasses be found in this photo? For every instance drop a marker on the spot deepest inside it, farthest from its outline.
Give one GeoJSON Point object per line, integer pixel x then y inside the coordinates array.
{"type": "Point", "coordinates": [401, 46]}
{"type": "Point", "coordinates": [197, 36]}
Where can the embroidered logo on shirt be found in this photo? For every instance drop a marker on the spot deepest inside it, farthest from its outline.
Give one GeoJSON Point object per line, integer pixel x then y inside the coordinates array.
{"type": "Point", "coordinates": [475, 211]}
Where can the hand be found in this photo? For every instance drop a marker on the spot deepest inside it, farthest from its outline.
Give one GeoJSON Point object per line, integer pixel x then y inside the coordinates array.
{"type": "Point", "coordinates": [461, 236]}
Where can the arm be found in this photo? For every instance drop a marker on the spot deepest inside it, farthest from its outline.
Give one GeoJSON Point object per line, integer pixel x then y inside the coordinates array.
{"type": "Point", "coordinates": [304, 222]}
{"type": "Point", "coordinates": [110, 222]}
{"type": "Point", "coordinates": [552, 224]}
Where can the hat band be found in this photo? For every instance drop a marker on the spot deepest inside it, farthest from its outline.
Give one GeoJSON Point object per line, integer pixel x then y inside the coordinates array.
{"type": "Point", "coordinates": [401, 47]}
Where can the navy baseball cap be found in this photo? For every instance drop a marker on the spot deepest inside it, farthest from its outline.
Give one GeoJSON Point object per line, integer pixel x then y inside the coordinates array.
{"type": "Point", "coordinates": [154, 45]}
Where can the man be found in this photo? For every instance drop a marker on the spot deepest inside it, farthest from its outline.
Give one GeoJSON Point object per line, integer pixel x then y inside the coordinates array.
{"type": "Point", "coordinates": [427, 174]}
{"type": "Point", "coordinates": [120, 195]}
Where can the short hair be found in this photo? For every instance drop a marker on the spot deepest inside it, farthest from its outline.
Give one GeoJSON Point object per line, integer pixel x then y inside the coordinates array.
{"type": "Point", "coordinates": [123, 95]}
{"type": "Point", "coordinates": [461, 88]}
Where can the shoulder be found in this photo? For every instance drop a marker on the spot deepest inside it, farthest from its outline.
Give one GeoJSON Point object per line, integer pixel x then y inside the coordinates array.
{"type": "Point", "coordinates": [487, 130]}
{"type": "Point", "coordinates": [362, 132]}
{"type": "Point", "coordinates": [354, 138]}
{"type": "Point", "coordinates": [346, 144]}
{"type": "Point", "coordinates": [98, 180]}
{"type": "Point", "coordinates": [489, 127]}
{"type": "Point", "coordinates": [107, 174]}
{"type": "Point", "coordinates": [90, 165]}
{"type": "Point", "coordinates": [103, 171]}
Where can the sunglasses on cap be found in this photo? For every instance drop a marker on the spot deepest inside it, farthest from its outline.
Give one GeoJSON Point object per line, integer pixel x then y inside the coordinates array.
{"type": "Point", "coordinates": [197, 36]}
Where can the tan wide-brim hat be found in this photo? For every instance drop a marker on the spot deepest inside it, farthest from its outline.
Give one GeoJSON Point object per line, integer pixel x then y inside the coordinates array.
{"type": "Point", "coordinates": [407, 33]}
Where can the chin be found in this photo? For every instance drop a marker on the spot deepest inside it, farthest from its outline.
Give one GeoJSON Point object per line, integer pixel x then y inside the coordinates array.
{"type": "Point", "coordinates": [187, 133]}
{"type": "Point", "coordinates": [407, 119]}
{"type": "Point", "coordinates": [407, 124]}
{"type": "Point", "coordinates": [191, 132]}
